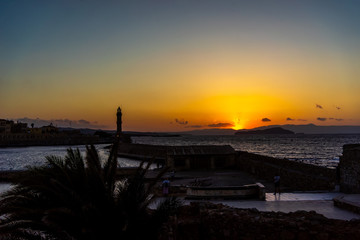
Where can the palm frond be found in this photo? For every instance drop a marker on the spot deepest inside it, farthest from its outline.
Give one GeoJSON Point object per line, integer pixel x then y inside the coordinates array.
{"type": "Point", "coordinates": [77, 198]}
{"type": "Point", "coordinates": [110, 167]}
{"type": "Point", "coordinates": [93, 162]}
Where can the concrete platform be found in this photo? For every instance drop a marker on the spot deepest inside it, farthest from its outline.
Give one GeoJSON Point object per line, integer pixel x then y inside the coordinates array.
{"type": "Point", "coordinates": [349, 202]}
{"type": "Point", "coordinates": [327, 196]}
{"type": "Point", "coordinates": [210, 177]}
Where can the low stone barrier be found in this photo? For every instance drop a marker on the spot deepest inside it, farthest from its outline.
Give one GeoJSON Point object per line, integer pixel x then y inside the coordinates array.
{"type": "Point", "coordinates": [227, 192]}
{"type": "Point", "coordinates": [12, 175]}
{"type": "Point", "coordinates": [341, 202]}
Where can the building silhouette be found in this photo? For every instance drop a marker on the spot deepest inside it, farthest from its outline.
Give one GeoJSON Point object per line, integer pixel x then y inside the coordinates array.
{"type": "Point", "coordinates": [118, 122]}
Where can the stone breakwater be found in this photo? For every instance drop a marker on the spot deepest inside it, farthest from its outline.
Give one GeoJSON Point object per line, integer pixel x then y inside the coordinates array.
{"type": "Point", "coordinates": [216, 221]}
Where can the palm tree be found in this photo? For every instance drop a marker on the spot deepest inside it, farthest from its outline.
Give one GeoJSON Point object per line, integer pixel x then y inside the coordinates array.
{"type": "Point", "coordinates": [76, 198]}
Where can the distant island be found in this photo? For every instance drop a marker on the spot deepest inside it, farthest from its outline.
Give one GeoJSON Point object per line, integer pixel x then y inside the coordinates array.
{"type": "Point", "coordinates": [297, 129]}
{"type": "Point", "coordinates": [274, 130]}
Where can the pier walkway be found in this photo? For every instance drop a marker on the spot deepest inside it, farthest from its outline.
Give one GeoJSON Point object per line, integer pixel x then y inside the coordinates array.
{"type": "Point", "coordinates": [320, 202]}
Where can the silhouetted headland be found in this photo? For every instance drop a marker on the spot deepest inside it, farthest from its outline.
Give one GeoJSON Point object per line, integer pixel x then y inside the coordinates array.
{"type": "Point", "coordinates": [20, 135]}
{"type": "Point", "coordinates": [275, 130]}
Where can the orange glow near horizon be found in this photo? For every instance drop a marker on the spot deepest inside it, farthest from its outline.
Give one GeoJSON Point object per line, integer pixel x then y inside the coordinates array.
{"type": "Point", "coordinates": [229, 65]}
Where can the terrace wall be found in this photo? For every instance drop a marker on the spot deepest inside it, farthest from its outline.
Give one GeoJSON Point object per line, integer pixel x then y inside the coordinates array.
{"type": "Point", "coordinates": [294, 175]}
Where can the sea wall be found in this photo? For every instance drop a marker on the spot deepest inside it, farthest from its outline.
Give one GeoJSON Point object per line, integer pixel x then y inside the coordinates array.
{"type": "Point", "coordinates": [22, 139]}
{"type": "Point", "coordinates": [181, 157]}
{"type": "Point", "coordinates": [294, 175]}
{"type": "Point", "coordinates": [11, 175]}
{"type": "Point", "coordinates": [142, 151]}
{"type": "Point", "coordinates": [349, 169]}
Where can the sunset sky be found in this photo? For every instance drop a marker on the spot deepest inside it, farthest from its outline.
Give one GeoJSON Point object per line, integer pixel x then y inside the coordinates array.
{"type": "Point", "coordinates": [180, 65]}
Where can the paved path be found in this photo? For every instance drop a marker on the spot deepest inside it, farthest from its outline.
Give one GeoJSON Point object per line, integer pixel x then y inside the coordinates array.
{"type": "Point", "coordinates": [301, 196]}
{"type": "Point", "coordinates": [287, 202]}
{"type": "Point", "coordinates": [291, 202]}
{"type": "Point", "coordinates": [354, 198]}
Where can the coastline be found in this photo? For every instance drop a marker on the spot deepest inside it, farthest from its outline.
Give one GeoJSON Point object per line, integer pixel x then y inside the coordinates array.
{"type": "Point", "coordinates": [56, 142]}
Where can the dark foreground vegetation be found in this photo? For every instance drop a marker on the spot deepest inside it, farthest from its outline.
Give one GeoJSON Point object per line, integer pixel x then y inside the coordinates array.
{"type": "Point", "coordinates": [77, 198]}
{"type": "Point", "coordinates": [216, 221]}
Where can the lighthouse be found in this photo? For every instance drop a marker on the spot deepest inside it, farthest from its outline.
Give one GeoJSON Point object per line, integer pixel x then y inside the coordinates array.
{"type": "Point", "coordinates": [118, 122]}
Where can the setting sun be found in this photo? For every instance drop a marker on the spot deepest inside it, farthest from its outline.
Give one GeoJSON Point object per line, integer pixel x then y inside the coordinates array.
{"type": "Point", "coordinates": [237, 127]}
{"type": "Point", "coordinates": [237, 124]}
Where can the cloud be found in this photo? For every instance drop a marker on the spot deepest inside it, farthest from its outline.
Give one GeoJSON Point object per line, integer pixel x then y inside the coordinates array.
{"type": "Point", "coordinates": [82, 121]}
{"type": "Point", "coordinates": [194, 126]}
{"type": "Point", "coordinates": [321, 119]}
{"type": "Point", "coordinates": [299, 119]}
{"type": "Point", "coordinates": [181, 121]}
{"type": "Point", "coordinates": [336, 119]}
{"type": "Point", "coordinates": [221, 125]}
{"type": "Point", "coordinates": [266, 120]}
{"type": "Point", "coordinates": [319, 106]}
{"type": "Point", "coordinates": [62, 122]}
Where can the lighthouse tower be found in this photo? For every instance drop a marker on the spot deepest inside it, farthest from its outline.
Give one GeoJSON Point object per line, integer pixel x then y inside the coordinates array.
{"type": "Point", "coordinates": [118, 122]}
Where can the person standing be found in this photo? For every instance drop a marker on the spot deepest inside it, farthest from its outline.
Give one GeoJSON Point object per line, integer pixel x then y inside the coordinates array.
{"type": "Point", "coordinates": [166, 186]}
{"type": "Point", "coordinates": [277, 184]}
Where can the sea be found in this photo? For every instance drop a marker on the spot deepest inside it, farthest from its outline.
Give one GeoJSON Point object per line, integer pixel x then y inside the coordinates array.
{"type": "Point", "coordinates": [321, 150]}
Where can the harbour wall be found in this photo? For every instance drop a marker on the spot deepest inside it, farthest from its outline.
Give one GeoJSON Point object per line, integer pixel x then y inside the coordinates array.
{"type": "Point", "coordinates": [24, 140]}
{"type": "Point", "coordinates": [294, 175]}
{"type": "Point", "coordinates": [10, 176]}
